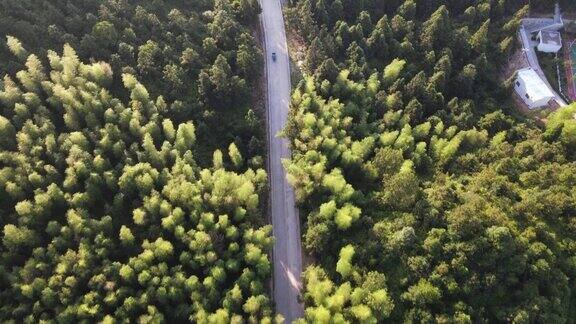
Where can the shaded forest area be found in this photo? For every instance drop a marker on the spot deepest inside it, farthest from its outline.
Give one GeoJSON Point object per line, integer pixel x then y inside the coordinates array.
{"type": "Point", "coordinates": [131, 169]}
{"type": "Point", "coordinates": [423, 198]}
{"type": "Point", "coordinates": [547, 6]}
{"type": "Point", "coordinates": [200, 56]}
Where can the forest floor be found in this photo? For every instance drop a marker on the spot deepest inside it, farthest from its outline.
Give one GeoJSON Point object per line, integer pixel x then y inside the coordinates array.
{"type": "Point", "coordinates": [516, 62]}
{"type": "Point", "coordinates": [297, 53]}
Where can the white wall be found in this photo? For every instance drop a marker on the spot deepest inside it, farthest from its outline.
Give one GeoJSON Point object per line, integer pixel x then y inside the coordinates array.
{"type": "Point", "coordinates": [521, 91]}
{"type": "Point", "coordinates": [549, 48]}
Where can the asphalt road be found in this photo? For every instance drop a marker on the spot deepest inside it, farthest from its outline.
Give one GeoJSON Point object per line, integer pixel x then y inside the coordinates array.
{"type": "Point", "coordinates": [287, 256]}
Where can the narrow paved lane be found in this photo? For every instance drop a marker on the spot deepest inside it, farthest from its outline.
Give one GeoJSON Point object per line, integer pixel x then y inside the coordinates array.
{"type": "Point", "coordinates": [287, 247]}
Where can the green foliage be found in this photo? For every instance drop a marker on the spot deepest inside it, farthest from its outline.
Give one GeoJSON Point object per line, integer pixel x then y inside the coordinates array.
{"type": "Point", "coordinates": [18, 237]}
{"type": "Point", "coordinates": [562, 125]}
{"type": "Point", "coordinates": [105, 34]}
{"type": "Point", "coordinates": [7, 134]}
{"type": "Point", "coordinates": [422, 294]}
{"type": "Point", "coordinates": [235, 156]}
{"type": "Point", "coordinates": [185, 137]}
{"type": "Point", "coordinates": [479, 40]}
{"type": "Point", "coordinates": [406, 162]}
{"type": "Point", "coordinates": [347, 302]}
{"type": "Point", "coordinates": [167, 45]}
{"type": "Point", "coordinates": [126, 235]}
{"type": "Point", "coordinates": [344, 265]}
{"type": "Point", "coordinates": [106, 215]}
{"type": "Point", "coordinates": [393, 70]}
{"type": "Point", "coordinates": [16, 47]}
{"type": "Point", "coordinates": [347, 215]}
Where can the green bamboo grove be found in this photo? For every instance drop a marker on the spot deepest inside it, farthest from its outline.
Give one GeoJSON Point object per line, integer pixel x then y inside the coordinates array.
{"type": "Point", "coordinates": [132, 165]}
{"type": "Point", "coordinates": [425, 197]}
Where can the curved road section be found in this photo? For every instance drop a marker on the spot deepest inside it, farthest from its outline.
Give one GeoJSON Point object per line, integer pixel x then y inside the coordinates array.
{"type": "Point", "coordinates": [287, 255]}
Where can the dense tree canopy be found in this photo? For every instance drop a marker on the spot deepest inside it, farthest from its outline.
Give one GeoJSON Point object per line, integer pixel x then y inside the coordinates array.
{"type": "Point", "coordinates": [200, 55]}
{"type": "Point", "coordinates": [105, 213]}
{"type": "Point", "coordinates": [131, 180]}
{"type": "Point", "coordinates": [131, 156]}
{"type": "Point", "coordinates": [424, 197]}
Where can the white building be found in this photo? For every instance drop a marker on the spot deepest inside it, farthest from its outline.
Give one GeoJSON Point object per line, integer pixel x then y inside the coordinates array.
{"type": "Point", "coordinates": [532, 89]}
{"type": "Point", "coordinates": [550, 41]}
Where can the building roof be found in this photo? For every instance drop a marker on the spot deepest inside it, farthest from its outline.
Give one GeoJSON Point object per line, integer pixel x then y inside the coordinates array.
{"type": "Point", "coordinates": [535, 86]}
{"type": "Point", "coordinates": [550, 37]}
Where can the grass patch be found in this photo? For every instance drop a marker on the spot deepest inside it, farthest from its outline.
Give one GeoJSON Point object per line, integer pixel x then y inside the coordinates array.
{"type": "Point", "coordinates": [550, 65]}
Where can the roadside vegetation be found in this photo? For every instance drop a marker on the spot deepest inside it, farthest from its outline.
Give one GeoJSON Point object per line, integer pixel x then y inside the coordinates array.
{"type": "Point", "coordinates": [422, 199]}
{"type": "Point", "coordinates": [550, 65]}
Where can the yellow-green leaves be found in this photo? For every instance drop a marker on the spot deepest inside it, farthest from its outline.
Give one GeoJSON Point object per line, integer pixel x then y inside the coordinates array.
{"type": "Point", "coordinates": [393, 70]}
{"type": "Point", "coordinates": [347, 215]}
{"type": "Point", "coordinates": [344, 264]}
{"type": "Point", "coordinates": [16, 48]}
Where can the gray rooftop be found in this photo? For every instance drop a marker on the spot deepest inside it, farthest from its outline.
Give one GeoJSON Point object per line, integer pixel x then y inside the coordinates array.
{"type": "Point", "coordinates": [551, 37]}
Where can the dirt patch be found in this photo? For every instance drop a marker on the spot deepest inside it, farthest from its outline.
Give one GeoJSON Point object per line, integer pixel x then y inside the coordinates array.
{"type": "Point", "coordinates": [516, 62]}
{"type": "Point", "coordinates": [297, 54]}
{"type": "Point", "coordinates": [296, 45]}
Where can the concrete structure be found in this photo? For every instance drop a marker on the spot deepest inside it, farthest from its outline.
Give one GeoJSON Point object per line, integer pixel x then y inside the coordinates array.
{"type": "Point", "coordinates": [532, 89]}
{"type": "Point", "coordinates": [550, 41]}
{"type": "Point", "coordinates": [530, 26]}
